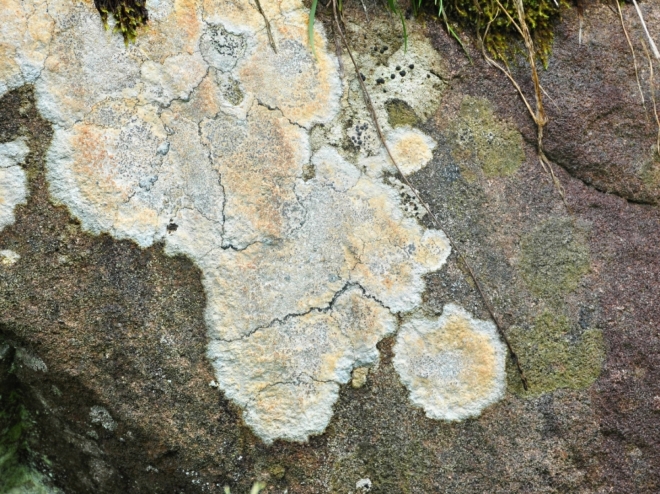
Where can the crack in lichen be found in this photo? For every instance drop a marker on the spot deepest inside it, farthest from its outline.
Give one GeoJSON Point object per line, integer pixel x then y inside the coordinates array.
{"type": "Point", "coordinates": [326, 309]}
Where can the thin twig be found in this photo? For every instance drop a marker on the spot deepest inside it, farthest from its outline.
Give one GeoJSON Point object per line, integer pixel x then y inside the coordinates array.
{"type": "Point", "coordinates": [652, 84]}
{"type": "Point", "coordinates": [338, 52]}
{"type": "Point", "coordinates": [648, 35]}
{"type": "Point", "coordinates": [381, 136]}
{"type": "Point", "coordinates": [632, 50]}
{"type": "Point", "coordinates": [366, 14]}
{"type": "Point", "coordinates": [580, 29]}
{"type": "Point", "coordinates": [271, 40]}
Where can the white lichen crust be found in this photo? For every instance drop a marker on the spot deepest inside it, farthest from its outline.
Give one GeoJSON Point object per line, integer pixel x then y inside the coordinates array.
{"type": "Point", "coordinates": [13, 182]}
{"type": "Point", "coordinates": [453, 366]}
{"type": "Point", "coordinates": [287, 375]}
{"type": "Point", "coordinates": [200, 136]}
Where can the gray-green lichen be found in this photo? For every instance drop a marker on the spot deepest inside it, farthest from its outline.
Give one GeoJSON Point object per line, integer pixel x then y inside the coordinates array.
{"type": "Point", "coordinates": [650, 170]}
{"type": "Point", "coordinates": [555, 255]}
{"type": "Point", "coordinates": [400, 113]}
{"type": "Point", "coordinates": [480, 138]}
{"type": "Point", "coordinates": [556, 353]}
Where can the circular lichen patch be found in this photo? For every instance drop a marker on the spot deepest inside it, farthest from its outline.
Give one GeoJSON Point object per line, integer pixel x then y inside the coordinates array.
{"type": "Point", "coordinates": [453, 366]}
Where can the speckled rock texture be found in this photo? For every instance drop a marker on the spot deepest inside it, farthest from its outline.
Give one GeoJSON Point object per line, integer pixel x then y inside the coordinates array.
{"type": "Point", "coordinates": [211, 275]}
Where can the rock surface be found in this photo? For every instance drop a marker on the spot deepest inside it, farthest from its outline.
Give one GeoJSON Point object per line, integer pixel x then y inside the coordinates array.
{"type": "Point", "coordinates": [203, 242]}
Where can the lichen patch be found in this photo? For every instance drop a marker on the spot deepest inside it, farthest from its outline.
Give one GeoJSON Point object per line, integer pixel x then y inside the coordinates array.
{"type": "Point", "coordinates": [8, 257]}
{"type": "Point", "coordinates": [25, 34]}
{"type": "Point", "coordinates": [411, 149]}
{"type": "Point", "coordinates": [554, 257]}
{"type": "Point", "coordinates": [453, 366]}
{"type": "Point", "coordinates": [287, 375]}
{"type": "Point", "coordinates": [199, 136]}
{"type": "Point", "coordinates": [557, 354]}
{"type": "Point", "coordinates": [479, 138]}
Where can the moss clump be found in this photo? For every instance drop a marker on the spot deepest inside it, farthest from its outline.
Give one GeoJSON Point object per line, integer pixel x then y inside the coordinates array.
{"type": "Point", "coordinates": [277, 471]}
{"type": "Point", "coordinates": [555, 355]}
{"type": "Point", "coordinates": [486, 17]}
{"type": "Point", "coordinates": [480, 138]}
{"type": "Point", "coordinates": [17, 472]}
{"type": "Point", "coordinates": [127, 14]}
{"type": "Point", "coordinates": [400, 113]}
{"type": "Point", "coordinates": [555, 255]}
{"type": "Point", "coordinates": [16, 476]}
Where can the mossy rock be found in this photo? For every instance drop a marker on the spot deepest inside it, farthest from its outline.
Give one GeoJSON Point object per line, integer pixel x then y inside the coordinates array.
{"type": "Point", "coordinates": [502, 38]}
{"type": "Point", "coordinates": [555, 354]}
{"type": "Point", "coordinates": [128, 16]}
{"type": "Point", "coordinates": [18, 474]}
{"type": "Point", "coordinates": [555, 256]}
{"type": "Point", "coordinates": [480, 139]}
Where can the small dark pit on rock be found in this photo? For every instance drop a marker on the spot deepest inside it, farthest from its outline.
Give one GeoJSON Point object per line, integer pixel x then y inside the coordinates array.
{"type": "Point", "coordinates": [392, 76]}
{"type": "Point", "coordinates": [398, 67]}
{"type": "Point", "coordinates": [172, 227]}
{"type": "Point", "coordinates": [380, 80]}
{"type": "Point", "coordinates": [403, 73]}
{"type": "Point", "coordinates": [411, 66]}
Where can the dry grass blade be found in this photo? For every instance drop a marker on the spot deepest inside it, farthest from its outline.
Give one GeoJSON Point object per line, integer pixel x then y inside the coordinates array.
{"type": "Point", "coordinates": [580, 30]}
{"type": "Point", "coordinates": [539, 116]}
{"type": "Point", "coordinates": [366, 14]}
{"type": "Point", "coordinates": [632, 50]}
{"type": "Point", "coordinates": [268, 30]}
{"type": "Point", "coordinates": [436, 222]}
{"type": "Point", "coordinates": [655, 109]}
{"type": "Point", "coordinates": [646, 30]}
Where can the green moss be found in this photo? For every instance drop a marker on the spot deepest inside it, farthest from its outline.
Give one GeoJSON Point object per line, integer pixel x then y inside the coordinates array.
{"type": "Point", "coordinates": [400, 113]}
{"type": "Point", "coordinates": [480, 139]}
{"type": "Point", "coordinates": [277, 471]}
{"type": "Point", "coordinates": [128, 15]}
{"type": "Point", "coordinates": [555, 255]}
{"type": "Point", "coordinates": [502, 38]}
{"type": "Point", "coordinates": [17, 473]}
{"type": "Point", "coordinates": [14, 427]}
{"type": "Point", "coordinates": [555, 355]}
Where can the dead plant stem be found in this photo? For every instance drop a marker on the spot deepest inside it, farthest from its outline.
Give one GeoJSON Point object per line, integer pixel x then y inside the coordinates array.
{"type": "Point", "coordinates": [646, 30]}
{"type": "Point", "coordinates": [655, 109]}
{"type": "Point", "coordinates": [632, 50]}
{"type": "Point", "coordinates": [268, 30]}
{"type": "Point", "coordinates": [538, 115]}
